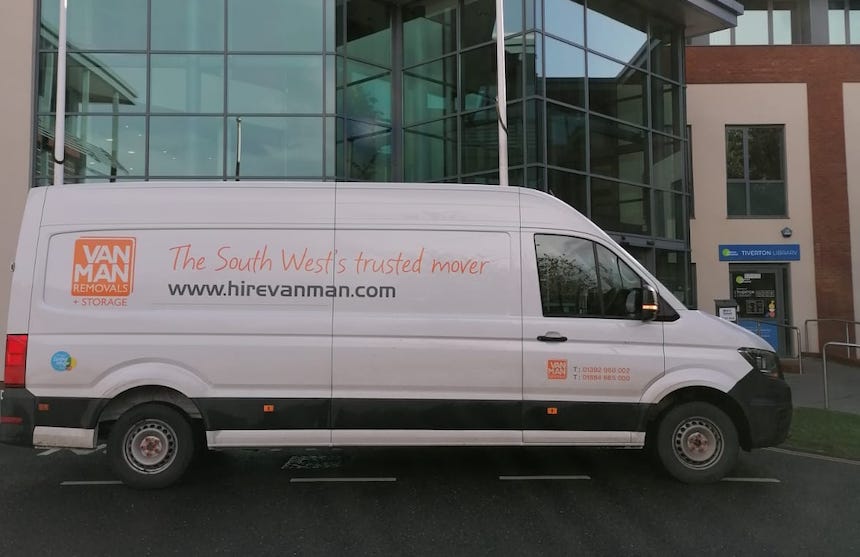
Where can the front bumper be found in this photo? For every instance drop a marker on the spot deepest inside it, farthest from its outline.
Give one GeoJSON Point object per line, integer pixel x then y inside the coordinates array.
{"type": "Point", "coordinates": [17, 410]}
{"type": "Point", "coordinates": [766, 403]}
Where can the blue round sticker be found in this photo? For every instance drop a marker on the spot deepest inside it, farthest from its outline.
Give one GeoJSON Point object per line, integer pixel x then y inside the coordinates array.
{"type": "Point", "coordinates": [61, 361]}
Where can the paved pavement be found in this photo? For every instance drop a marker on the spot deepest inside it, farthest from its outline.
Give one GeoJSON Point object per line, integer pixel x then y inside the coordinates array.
{"type": "Point", "coordinates": [843, 385]}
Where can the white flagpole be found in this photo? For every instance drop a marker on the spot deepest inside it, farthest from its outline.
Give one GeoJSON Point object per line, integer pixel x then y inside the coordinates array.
{"type": "Point", "coordinates": [502, 96]}
{"type": "Point", "coordinates": [60, 124]}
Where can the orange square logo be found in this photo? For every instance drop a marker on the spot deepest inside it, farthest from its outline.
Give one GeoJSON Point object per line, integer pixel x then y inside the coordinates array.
{"type": "Point", "coordinates": [556, 369]}
{"type": "Point", "coordinates": [103, 267]}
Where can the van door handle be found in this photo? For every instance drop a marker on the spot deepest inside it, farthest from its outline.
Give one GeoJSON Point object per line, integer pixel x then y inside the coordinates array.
{"type": "Point", "coordinates": [552, 336]}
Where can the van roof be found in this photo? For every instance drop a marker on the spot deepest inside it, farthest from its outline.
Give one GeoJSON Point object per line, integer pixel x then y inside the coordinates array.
{"type": "Point", "coordinates": [412, 205]}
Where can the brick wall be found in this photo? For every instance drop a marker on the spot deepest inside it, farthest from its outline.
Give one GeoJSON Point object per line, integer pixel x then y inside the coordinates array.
{"type": "Point", "coordinates": [823, 69]}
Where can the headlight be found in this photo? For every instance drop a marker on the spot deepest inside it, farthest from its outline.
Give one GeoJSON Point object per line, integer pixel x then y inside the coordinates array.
{"type": "Point", "coordinates": [764, 361]}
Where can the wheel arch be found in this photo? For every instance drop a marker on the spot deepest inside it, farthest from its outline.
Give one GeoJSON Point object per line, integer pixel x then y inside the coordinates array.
{"type": "Point", "coordinates": [143, 394]}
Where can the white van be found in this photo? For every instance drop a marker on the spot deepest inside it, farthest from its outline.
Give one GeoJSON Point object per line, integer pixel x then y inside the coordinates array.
{"type": "Point", "coordinates": [169, 317]}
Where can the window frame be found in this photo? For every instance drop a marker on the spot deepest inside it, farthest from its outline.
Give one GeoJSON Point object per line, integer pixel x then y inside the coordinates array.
{"type": "Point", "coordinates": [746, 181]}
{"type": "Point", "coordinates": [796, 11]}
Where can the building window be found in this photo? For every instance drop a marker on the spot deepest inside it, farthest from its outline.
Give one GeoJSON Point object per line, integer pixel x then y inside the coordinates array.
{"type": "Point", "coordinates": [843, 17]}
{"type": "Point", "coordinates": [755, 169]}
{"type": "Point", "coordinates": [768, 22]}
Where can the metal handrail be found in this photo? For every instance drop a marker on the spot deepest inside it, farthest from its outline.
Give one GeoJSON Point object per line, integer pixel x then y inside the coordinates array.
{"type": "Point", "coordinates": [831, 320]}
{"type": "Point", "coordinates": [798, 349]}
{"type": "Point", "coordinates": [824, 365]}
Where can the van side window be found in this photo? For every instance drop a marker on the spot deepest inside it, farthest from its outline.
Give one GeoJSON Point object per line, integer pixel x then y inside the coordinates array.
{"type": "Point", "coordinates": [579, 278]}
{"type": "Point", "coordinates": [617, 280]}
{"type": "Point", "coordinates": [568, 276]}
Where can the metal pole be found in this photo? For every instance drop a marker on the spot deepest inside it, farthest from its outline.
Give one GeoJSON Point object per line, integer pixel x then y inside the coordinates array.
{"type": "Point", "coordinates": [60, 120]}
{"type": "Point", "coordinates": [502, 96]}
{"type": "Point", "coordinates": [824, 375]}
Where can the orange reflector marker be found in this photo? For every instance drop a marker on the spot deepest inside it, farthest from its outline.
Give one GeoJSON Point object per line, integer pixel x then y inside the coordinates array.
{"type": "Point", "coordinates": [552, 410]}
{"type": "Point", "coordinates": [268, 408]}
{"type": "Point", "coordinates": [43, 407]}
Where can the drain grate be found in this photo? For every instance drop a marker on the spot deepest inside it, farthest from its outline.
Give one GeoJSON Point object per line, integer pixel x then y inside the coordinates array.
{"type": "Point", "coordinates": [313, 462]}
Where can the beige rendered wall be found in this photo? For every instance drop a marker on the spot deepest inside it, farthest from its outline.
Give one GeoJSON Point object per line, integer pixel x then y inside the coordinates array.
{"type": "Point", "coordinates": [16, 67]}
{"type": "Point", "coordinates": [851, 100]}
{"type": "Point", "coordinates": [709, 109]}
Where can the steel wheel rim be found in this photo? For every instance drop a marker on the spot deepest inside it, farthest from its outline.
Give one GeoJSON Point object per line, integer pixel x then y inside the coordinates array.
{"type": "Point", "coordinates": [150, 446]}
{"type": "Point", "coordinates": [698, 443]}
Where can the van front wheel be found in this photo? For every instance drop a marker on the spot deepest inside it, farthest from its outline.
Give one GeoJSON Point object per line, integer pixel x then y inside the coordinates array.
{"type": "Point", "coordinates": [697, 443]}
{"type": "Point", "coordinates": [151, 446]}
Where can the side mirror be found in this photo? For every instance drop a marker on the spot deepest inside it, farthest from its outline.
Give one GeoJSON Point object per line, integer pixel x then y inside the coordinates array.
{"type": "Point", "coordinates": [642, 303]}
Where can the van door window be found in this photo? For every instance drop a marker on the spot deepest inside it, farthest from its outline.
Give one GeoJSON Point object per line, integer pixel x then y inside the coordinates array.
{"type": "Point", "coordinates": [617, 280]}
{"type": "Point", "coordinates": [579, 278]}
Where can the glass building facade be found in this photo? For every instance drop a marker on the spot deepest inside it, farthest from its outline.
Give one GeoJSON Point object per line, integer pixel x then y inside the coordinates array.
{"type": "Point", "coordinates": [382, 91]}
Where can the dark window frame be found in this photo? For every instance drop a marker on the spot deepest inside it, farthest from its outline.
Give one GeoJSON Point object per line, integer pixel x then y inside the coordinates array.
{"type": "Point", "coordinates": [746, 181]}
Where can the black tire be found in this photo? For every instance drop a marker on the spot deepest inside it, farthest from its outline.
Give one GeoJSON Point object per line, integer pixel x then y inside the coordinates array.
{"type": "Point", "coordinates": [151, 446]}
{"type": "Point", "coordinates": [697, 443]}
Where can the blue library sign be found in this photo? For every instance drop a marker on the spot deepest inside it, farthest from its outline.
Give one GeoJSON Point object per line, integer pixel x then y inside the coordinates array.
{"type": "Point", "coordinates": [759, 252]}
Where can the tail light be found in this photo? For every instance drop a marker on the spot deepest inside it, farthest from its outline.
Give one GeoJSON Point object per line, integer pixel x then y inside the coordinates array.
{"type": "Point", "coordinates": [16, 361]}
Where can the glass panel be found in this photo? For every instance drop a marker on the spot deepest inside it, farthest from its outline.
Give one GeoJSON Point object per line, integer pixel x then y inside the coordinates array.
{"type": "Point", "coordinates": [274, 84]}
{"type": "Point", "coordinates": [565, 19]}
{"type": "Point", "coordinates": [534, 132]}
{"type": "Point", "coordinates": [333, 69]}
{"type": "Point", "coordinates": [735, 153]}
{"type": "Point", "coordinates": [188, 25]}
{"type": "Point", "coordinates": [565, 136]}
{"type": "Point", "coordinates": [187, 83]}
{"type": "Point", "coordinates": [186, 146]}
{"type": "Point", "coordinates": [430, 151]}
{"type": "Point", "coordinates": [836, 21]}
{"type": "Point", "coordinates": [100, 147]}
{"type": "Point", "coordinates": [570, 188]}
{"type": "Point", "coordinates": [330, 24]}
{"type": "Point", "coordinates": [617, 280]}
{"type": "Point", "coordinates": [95, 82]}
{"type": "Point", "coordinates": [617, 90]}
{"type": "Point", "coordinates": [368, 151]}
{"type": "Point", "coordinates": [429, 30]}
{"type": "Point", "coordinates": [480, 147]}
{"type": "Point", "coordinates": [671, 270]}
{"type": "Point", "coordinates": [617, 29]}
{"type": "Point", "coordinates": [430, 90]}
{"type": "Point", "coordinates": [568, 276]}
{"type": "Point", "coordinates": [97, 24]}
{"type": "Point", "coordinates": [516, 138]}
{"type": "Point", "coordinates": [752, 27]}
{"type": "Point", "coordinates": [620, 207]}
{"type": "Point", "coordinates": [331, 148]}
{"type": "Point", "coordinates": [478, 21]}
{"type": "Point", "coordinates": [368, 31]}
{"type": "Point", "coordinates": [533, 62]}
{"type": "Point", "coordinates": [854, 21]}
{"type": "Point", "coordinates": [669, 215]}
{"type": "Point", "coordinates": [488, 179]}
{"type": "Point", "coordinates": [765, 153]}
{"type": "Point", "coordinates": [478, 76]}
{"type": "Point", "coordinates": [666, 106]}
{"type": "Point", "coordinates": [275, 25]}
{"type": "Point", "coordinates": [278, 147]}
{"type": "Point", "coordinates": [618, 151]}
{"type": "Point", "coordinates": [722, 38]}
{"type": "Point", "coordinates": [667, 170]}
{"type": "Point", "coordinates": [782, 30]}
{"type": "Point", "coordinates": [736, 199]}
{"type": "Point", "coordinates": [666, 45]}
{"type": "Point", "coordinates": [767, 199]}
{"type": "Point", "coordinates": [565, 72]}
{"type": "Point", "coordinates": [368, 92]}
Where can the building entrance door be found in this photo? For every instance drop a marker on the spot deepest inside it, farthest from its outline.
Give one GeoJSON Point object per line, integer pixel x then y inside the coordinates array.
{"type": "Point", "coordinates": [761, 292]}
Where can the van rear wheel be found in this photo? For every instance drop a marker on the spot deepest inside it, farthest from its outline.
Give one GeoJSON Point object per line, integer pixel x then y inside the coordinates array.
{"type": "Point", "coordinates": [151, 446]}
{"type": "Point", "coordinates": [697, 443]}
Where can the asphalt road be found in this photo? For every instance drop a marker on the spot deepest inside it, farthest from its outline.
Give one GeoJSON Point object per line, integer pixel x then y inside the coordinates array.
{"type": "Point", "coordinates": [541, 501]}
